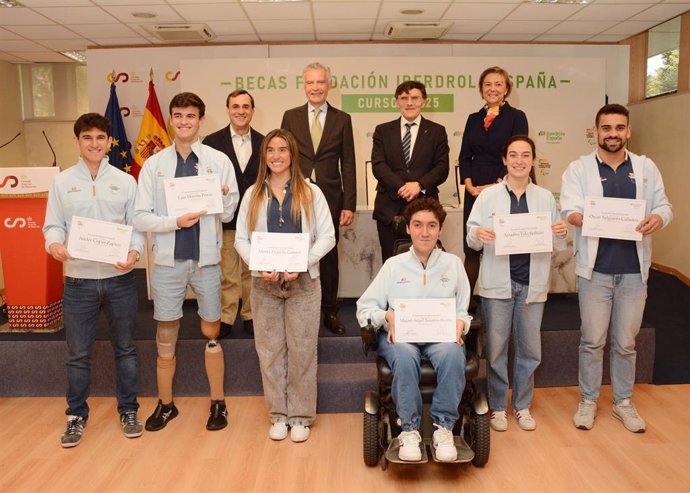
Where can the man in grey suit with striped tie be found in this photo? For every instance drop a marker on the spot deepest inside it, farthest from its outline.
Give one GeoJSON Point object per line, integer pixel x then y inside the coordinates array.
{"type": "Point", "coordinates": [409, 159]}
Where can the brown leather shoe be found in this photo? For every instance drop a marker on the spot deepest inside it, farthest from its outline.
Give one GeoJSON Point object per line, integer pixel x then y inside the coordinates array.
{"type": "Point", "coordinates": [333, 324]}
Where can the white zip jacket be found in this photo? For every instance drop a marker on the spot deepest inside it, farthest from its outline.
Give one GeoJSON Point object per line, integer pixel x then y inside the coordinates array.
{"type": "Point", "coordinates": [404, 277]}
{"type": "Point", "coordinates": [582, 178]}
{"type": "Point", "coordinates": [151, 214]}
{"type": "Point", "coordinates": [321, 232]}
{"type": "Point", "coordinates": [494, 272]}
{"type": "Point", "coordinates": [109, 197]}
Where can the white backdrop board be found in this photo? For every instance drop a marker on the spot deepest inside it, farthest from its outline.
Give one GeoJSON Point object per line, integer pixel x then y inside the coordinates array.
{"type": "Point", "coordinates": [560, 98]}
{"type": "Point", "coordinates": [561, 117]}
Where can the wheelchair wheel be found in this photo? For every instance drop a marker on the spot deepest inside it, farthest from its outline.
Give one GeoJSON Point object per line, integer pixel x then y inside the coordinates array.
{"type": "Point", "coordinates": [480, 438]}
{"type": "Point", "coordinates": [371, 439]}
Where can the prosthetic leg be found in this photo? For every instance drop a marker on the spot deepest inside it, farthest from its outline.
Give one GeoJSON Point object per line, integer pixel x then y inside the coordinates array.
{"type": "Point", "coordinates": [215, 371]}
{"type": "Point", "coordinates": [166, 340]}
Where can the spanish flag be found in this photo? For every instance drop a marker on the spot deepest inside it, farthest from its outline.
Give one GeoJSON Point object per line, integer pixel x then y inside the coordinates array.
{"type": "Point", "coordinates": [153, 134]}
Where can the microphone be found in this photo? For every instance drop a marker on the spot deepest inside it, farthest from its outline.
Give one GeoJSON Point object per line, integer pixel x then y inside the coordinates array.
{"type": "Point", "coordinates": [11, 140]}
{"type": "Point", "coordinates": [51, 148]}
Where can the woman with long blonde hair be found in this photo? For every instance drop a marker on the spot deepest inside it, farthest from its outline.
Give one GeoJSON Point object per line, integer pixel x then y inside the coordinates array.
{"type": "Point", "coordinates": [286, 305]}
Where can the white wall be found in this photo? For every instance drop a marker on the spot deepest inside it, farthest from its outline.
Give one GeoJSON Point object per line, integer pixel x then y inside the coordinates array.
{"type": "Point", "coordinates": [10, 101]}
{"type": "Point", "coordinates": [660, 130]}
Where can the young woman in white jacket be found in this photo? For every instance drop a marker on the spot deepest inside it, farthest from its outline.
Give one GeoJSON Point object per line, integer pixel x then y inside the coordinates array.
{"type": "Point", "coordinates": [286, 305]}
{"type": "Point", "coordinates": [513, 288]}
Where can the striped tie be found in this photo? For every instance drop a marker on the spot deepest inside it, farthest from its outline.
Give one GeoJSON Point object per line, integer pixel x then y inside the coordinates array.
{"type": "Point", "coordinates": [407, 142]}
{"type": "Point", "coordinates": [316, 129]}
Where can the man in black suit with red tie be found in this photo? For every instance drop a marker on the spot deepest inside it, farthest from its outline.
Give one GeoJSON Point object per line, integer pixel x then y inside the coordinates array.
{"type": "Point", "coordinates": [327, 156]}
{"type": "Point", "coordinates": [242, 144]}
{"type": "Point", "coordinates": [409, 159]}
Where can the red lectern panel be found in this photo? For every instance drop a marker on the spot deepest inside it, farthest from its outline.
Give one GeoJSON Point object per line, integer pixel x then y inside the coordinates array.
{"type": "Point", "coordinates": [33, 279]}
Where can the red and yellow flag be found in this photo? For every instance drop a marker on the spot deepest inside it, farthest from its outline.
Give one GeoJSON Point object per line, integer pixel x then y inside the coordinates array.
{"type": "Point", "coordinates": [153, 134]}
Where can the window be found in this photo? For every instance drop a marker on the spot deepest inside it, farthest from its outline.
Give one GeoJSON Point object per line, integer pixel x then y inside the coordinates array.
{"type": "Point", "coordinates": [53, 91]}
{"type": "Point", "coordinates": [663, 44]}
{"type": "Point", "coordinates": [42, 91]}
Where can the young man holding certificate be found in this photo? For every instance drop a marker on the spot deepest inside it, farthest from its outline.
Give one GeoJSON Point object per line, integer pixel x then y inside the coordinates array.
{"type": "Point", "coordinates": [187, 247]}
{"type": "Point", "coordinates": [94, 190]}
{"type": "Point", "coordinates": [612, 272]}
{"type": "Point", "coordinates": [425, 273]}
{"type": "Point", "coordinates": [516, 225]}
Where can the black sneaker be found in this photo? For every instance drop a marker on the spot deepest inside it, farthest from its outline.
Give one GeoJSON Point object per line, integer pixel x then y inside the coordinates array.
{"type": "Point", "coordinates": [131, 426]}
{"type": "Point", "coordinates": [75, 429]}
{"type": "Point", "coordinates": [161, 416]}
{"type": "Point", "coordinates": [218, 417]}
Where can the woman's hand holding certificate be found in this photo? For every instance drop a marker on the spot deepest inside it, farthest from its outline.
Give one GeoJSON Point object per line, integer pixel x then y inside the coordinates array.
{"type": "Point", "coordinates": [523, 233]}
{"type": "Point", "coordinates": [280, 252]}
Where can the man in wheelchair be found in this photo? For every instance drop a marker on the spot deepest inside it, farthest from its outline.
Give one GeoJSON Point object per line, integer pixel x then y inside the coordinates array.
{"type": "Point", "coordinates": [425, 271]}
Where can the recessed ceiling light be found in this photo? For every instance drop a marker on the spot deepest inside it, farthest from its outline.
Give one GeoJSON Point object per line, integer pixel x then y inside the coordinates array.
{"type": "Point", "coordinates": [411, 11]}
{"type": "Point", "coordinates": [77, 56]}
{"type": "Point", "coordinates": [144, 15]}
{"type": "Point", "coordinates": [579, 2]}
{"type": "Point", "coordinates": [9, 4]}
{"type": "Point", "coordinates": [271, 1]}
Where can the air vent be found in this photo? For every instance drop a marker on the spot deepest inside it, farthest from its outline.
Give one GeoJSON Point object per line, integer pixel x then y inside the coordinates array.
{"type": "Point", "coordinates": [181, 32]}
{"type": "Point", "coordinates": [417, 30]}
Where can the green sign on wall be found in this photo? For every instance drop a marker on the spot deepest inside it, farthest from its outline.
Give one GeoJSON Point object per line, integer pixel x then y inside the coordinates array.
{"type": "Point", "coordinates": [385, 103]}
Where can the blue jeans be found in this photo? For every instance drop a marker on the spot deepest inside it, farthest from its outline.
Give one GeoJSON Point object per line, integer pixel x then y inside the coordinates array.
{"type": "Point", "coordinates": [447, 358]}
{"type": "Point", "coordinates": [501, 317]}
{"type": "Point", "coordinates": [609, 303]}
{"type": "Point", "coordinates": [82, 302]}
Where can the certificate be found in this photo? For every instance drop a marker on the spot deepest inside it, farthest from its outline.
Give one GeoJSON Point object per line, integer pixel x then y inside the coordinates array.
{"type": "Point", "coordinates": [99, 241]}
{"type": "Point", "coordinates": [523, 233]}
{"type": "Point", "coordinates": [193, 194]}
{"type": "Point", "coordinates": [282, 252]}
{"type": "Point", "coordinates": [606, 217]}
{"type": "Point", "coordinates": [425, 320]}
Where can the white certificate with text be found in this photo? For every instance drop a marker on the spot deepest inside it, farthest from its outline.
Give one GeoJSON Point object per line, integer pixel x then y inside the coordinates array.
{"type": "Point", "coordinates": [282, 252]}
{"type": "Point", "coordinates": [193, 194]}
{"type": "Point", "coordinates": [99, 241]}
{"type": "Point", "coordinates": [523, 233]}
{"type": "Point", "coordinates": [425, 320]}
{"type": "Point", "coordinates": [606, 217]}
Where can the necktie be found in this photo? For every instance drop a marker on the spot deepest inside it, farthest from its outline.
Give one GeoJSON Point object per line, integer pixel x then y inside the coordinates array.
{"type": "Point", "coordinates": [407, 142]}
{"type": "Point", "coordinates": [316, 129]}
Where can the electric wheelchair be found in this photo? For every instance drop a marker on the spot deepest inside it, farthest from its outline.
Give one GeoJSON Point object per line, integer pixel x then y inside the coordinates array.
{"type": "Point", "coordinates": [381, 425]}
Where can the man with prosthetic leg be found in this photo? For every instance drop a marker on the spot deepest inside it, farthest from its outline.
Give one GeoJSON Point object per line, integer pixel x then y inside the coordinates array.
{"type": "Point", "coordinates": [187, 253]}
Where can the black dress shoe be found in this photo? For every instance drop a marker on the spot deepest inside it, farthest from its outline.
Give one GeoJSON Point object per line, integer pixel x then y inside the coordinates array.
{"type": "Point", "coordinates": [249, 327]}
{"type": "Point", "coordinates": [160, 417]}
{"type": "Point", "coordinates": [333, 324]}
{"type": "Point", "coordinates": [225, 330]}
{"type": "Point", "coordinates": [218, 417]}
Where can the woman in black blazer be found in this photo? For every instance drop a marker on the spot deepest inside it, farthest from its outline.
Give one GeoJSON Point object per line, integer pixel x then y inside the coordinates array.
{"type": "Point", "coordinates": [486, 132]}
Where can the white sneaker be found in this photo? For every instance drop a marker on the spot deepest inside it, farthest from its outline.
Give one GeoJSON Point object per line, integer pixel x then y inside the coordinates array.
{"type": "Point", "coordinates": [499, 421]}
{"type": "Point", "coordinates": [278, 431]}
{"type": "Point", "coordinates": [525, 420]}
{"type": "Point", "coordinates": [299, 433]}
{"type": "Point", "coordinates": [586, 412]}
{"type": "Point", "coordinates": [409, 446]}
{"type": "Point", "coordinates": [444, 444]}
{"type": "Point", "coordinates": [626, 412]}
